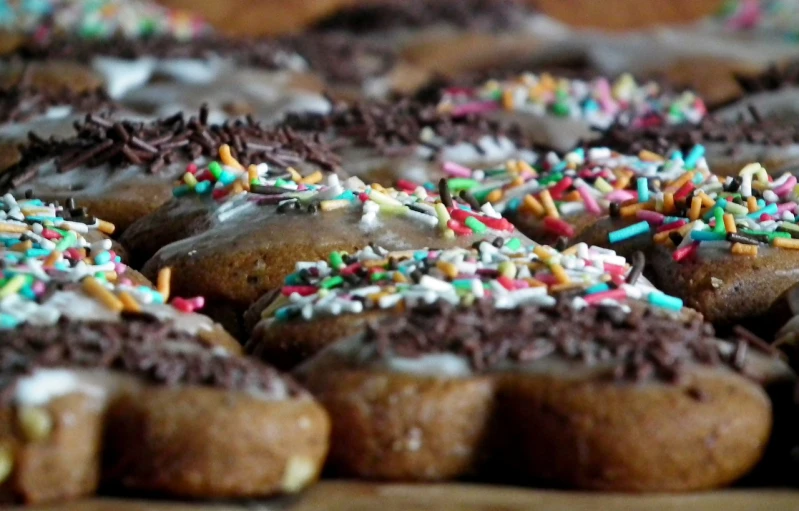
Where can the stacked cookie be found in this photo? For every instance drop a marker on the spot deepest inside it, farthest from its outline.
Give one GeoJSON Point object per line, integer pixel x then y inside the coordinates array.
{"type": "Point", "coordinates": [546, 278]}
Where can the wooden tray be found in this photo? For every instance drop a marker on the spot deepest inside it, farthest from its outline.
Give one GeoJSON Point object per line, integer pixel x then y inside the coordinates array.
{"type": "Point", "coordinates": [353, 496]}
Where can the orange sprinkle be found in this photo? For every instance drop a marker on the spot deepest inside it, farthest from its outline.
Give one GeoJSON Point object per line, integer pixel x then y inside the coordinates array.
{"type": "Point", "coordinates": [662, 237]}
{"type": "Point", "coordinates": [560, 273]}
{"type": "Point", "coordinates": [228, 159]}
{"type": "Point", "coordinates": [549, 204]}
{"type": "Point", "coordinates": [448, 269]}
{"type": "Point", "coordinates": [236, 188]}
{"type": "Point", "coordinates": [495, 195]}
{"type": "Point", "coordinates": [105, 227]}
{"type": "Point", "coordinates": [512, 166]}
{"type": "Point", "coordinates": [507, 99]}
{"type": "Point", "coordinates": [741, 249]}
{"type": "Point", "coordinates": [696, 208]}
{"type": "Point", "coordinates": [542, 253]}
{"type": "Point", "coordinates": [751, 204]}
{"type": "Point", "coordinates": [252, 173]}
{"type": "Point", "coordinates": [558, 288]}
{"type": "Point", "coordinates": [52, 258]}
{"type": "Point", "coordinates": [786, 243]}
{"type": "Point", "coordinates": [164, 281]}
{"type": "Point", "coordinates": [645, 155]}
{"type": "Point", "coordinates": [729, 223]}
{"type": "Point", "coordinates": [93, 288]}
{"type": "Point", "coordinates": [573, 196]}
{"type": "Point", "coordinates": [531, 203]}
{"type": "Point", "coordinates": [534, 282]}
{"type": "Point", "coordinates": [622, 179]}
{"type": "Point", "coordinates": [111, 276]}
{"type": "Point", "coordinates": [22, 246]}
{"type": "Point", "coordinates": [525, 167]}
{"type": "Point", "coordinates": [630, 210]}
{"type": "Point", "coordinates": [128, 302]}
{"type": "Point", "coordinates": [707, 201]}
{"type": "Point", "coordinates": [668, 202]}
{"type": "Point", "coordinates": [572, 250]}
{"type": "Point", "coordinates": [677, 183]}
{"type": "Point", "coordinates": [517, 181]}
{"type": "Point", "coordinates": [295, 176]}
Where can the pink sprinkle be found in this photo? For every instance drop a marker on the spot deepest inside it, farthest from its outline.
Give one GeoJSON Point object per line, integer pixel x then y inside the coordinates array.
{"type": "Point", "coordinates": [614, 269]}
{"type": "Point", "coordinates": [786, 206]}
{"type": "Point", "coordinates": [453, 169]}
{"type": "Point", "coordinates": [302, 187]}
{"type": "Point", "coordinates": [182, 305]}
{"type": "Point", "coordinates": [120, 268]}
{"type": "Point", "coordinates": [785, 187]}
{"type": "Point", "coordinates": [124, 282]}
{"type": "Point", "coordinates": [765, 217]}
{"type": "Point", "coordinates": [546, 278]}
{"type": "Point", "coordinates": [521, 284]}
{"type": "Point", "coordinates": [50, 235]}
{"type": "Point", "coordinates": [613, 294]}
{"type": "Point", "coordinates": [653, 217]}
{"type": "Point", "coordinates": [477, 107]}
{"type": "Point", "coordinates": [605, 99]}
{"type": "Point", "coordinates": [620, 196]}
{"type": "Point", "coordinates": [191, 168]}
{"type": "Point", "coordinates": [588, 199]}
{"type": "Point", "coordinates": [198, 302]}
{"type": "Point", "coordinates": [38, 287]}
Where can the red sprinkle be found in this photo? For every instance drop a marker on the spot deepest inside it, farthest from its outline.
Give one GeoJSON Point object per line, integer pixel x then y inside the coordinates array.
{"type": "Point", "coordinates": [182, 305]}
{"type": "Point", "coordinates": [685, 252]}
{"type": "Point", "coordinates": [300, 290]}
{"type": "Point", "coordinates": [408, 186]}
{"type": "Point", "coordinates": [50, 235]}
{"type": "Point", "coordinates": [191, 168]}
{"type": "Point", "coordinates": [219, 193]}
{"type": "Point", "coordinates": [672, 226]}
{"type": "Point", "coordinates": [614, 269]}
{"type": "Point", "coordinates": [556, 191]}
{"type": "Point", "coordinates": [363, 197]}
{"type": "Point", "coordinates": [558, 226]}
{"type": "Point", "coordinates": [684, 191]}
{"type": "Point", "coordinates": [765, 216]}
{"type": "Point", "coordinates": [460, 230]}
{"type": "Point", "coordinates": [349, 270]}
{"type": "Point", "coordinates": [507, 283]}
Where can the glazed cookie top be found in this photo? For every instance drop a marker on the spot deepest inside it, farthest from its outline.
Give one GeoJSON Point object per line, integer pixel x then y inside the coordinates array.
{"type": "Point", "coordinates": [398, 14]}
{"type": "Point", "coordinates": [503, 272]}
{"type": "Point", "coordinates": [38, 363]}
{"type": "Point", "coordinates": [598, 103]}
{"type": "Point", "coordinates": [159, 149]}
{"type": "Point", "coordinates": [21, 103]}
{"type": "Point", "coordinates": [98, 19]}
{"type": "Point", "coordinates": [58, 265]}
{"type": "Point", "coordinates": [642, 344]}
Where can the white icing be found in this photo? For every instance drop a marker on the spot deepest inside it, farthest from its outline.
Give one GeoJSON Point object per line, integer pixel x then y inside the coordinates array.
{"type": "Point", "coordinates": [44, 385]}
{"type": "Point", "coordinates": [781, 104]}
{"type": "Point", "coordinates": [121, 76]}
{"type": "Point", "coordinates": [192, 71]}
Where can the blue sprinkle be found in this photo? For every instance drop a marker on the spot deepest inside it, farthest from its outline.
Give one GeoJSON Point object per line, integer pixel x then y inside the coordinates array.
{"type": "Point", "coordinates": [666, 301]}
{"type": "Point", "coordinates": [643, 189]}
{"type": "Point", "coordinates": [8, 321]}
{"type": "Point", "coordinates": [597, 288]}
{"type": "Point", "coordinates": [628, 232]}
{"type": "Point", "coordinates": [697, 152]}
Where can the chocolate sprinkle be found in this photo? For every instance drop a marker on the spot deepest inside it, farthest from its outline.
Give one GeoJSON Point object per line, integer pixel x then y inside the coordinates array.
{"type": "Point", "coordinates": [638, 260]}
{"type": "Point", "coordinates": [148, 349]}
{"type": "Point", "coordinates": [395, 128]}
{"type": "Point", "coordinates": [394, 14]}
{"type": "Point", "coordinates": [635, 345]}
{"type": "Point", "coordinates": [157, 144]}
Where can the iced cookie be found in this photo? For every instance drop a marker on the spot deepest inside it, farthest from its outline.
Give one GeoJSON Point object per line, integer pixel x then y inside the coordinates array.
{"type": "Point", "coordinates": [561, 112]}
{"type": "Point", "coordinates": [601, 398]}
{"type": "Point", "coordinates": [407, 139]}
{"type": "Point", "coordinates": [323, 303]}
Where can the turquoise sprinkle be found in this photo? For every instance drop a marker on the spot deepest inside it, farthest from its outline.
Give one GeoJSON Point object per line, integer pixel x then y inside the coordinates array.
{"type": "Point", "coordinates": [643, 189]}
{"type": "Point", "coordinates": [597, 288]}
{"type": "Point", "coordinates": [761, 203]}
{"type": "Point", "coordinates": [293, 279]}
{"type": "Point", "coordinates": [215, 169]}
{"type": "Point", "coordinates": [180, 191]}
{"type": "Point", "coordinates": [698, 178]}
{"type": "Point", "coordinates": [420, 255]}
{"type": "Point", "coordinates": [203, 187]}
{"type": "Point", "coordinates": [628, 232]}
{"type": "Point", "coordinates": [28, 293]}
{"type": "Point", "coordinates": [672, 219]}
{"type": "Point", "coordinates": [61, 265]}
{"type": "Point", "coordinates": [347, 195]}
{"type": "Point", "coordinates": [513, 204]}
{"type": "Point", "coordinates": [37, 252]}
{"type": "Point", "coordinates": [771, 209]}
{"type": "Point", "coordinates": [697, 152]}
{"type": "Point", "coordinates": [102, 257]}
{"type": "Point", "coordinates": [590, 105]}
{"type": "Point", "coordinates": [8, 321]}
{"type": "Point", "coordinates": [708, 236]}
{"type": "Point", "coordinates": [720, 204]}
{"type": "Point", "coordinates": [579, 152]}
{"type": "Point", "coordinates": [462, 284]}
{"type": "Point", "coordinates": [475, 225]}
{"type": "Point", "coordinates": [227, 178]}
{"type": "Point", "coordinates": [284, 313]}
{"type": "Point", "coordinates": [118, 259]}
{"type": "Point", "coordinates": [42, 219]}
{"type": "Point", "coordinates": [663, 300]}
{"type": "Point", "coordinates": [560, 166]}
{"type": "Point", "coordinates": [513, 244]}
{"type": "Point", "coordinates": [676, 156]}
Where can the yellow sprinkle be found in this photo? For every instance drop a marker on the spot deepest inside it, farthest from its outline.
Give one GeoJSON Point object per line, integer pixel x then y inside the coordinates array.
{"type": "Point", "coordinates": [559, 273]}
{"type": "Point", "coordinates": [111, 276]}
{"type": "Point", "coordinates": [507, 269]}
{"type": "Point", "coordinates": [696, 208]}
{"type": "Point", "coordinates": [532, 204]}
{"type": "Point", "coordinates": [602, 185]}
{"type": "Point", "coordinates": [399, 278]}
{"type": "Point", "coordinates": [252, 173]}
{"type": "Point", "coordinates": [622, 179]}
{"type": "Point", "coordinates": [685, 229]}
{"type": "Point", "coordinates": [568, 286]}
{"type": "Point", "coordinates": [525, 167]}
{"type": "Point", "coordinates": [494, 196]}
{"type": "Point", "coordinates": [507, 100]}
{"type": "Point", "coordinates": [572, 250]}
{"type": "Point", "coordinates": [729, 223]}
{"type": "Point", "coordinates": [542, 253]}
{"type": "Point", "coordinates": [512, 166]}
{"type": "Point", "coordinates": [189, 179]}
{"type": "Point", "coordinates": [295, 176]}
{"type": "Point", "coordinates": [22, 246]}
{"type": "Point", "coordinates": [750, 168]}
{"type": "Point", "coordinates": [751, 204]}
{"type": "Point", "coordinates": [548, 203]}
{"type": "Point", "coordinates": [332, 204]}
{"type": "Point", "coordinates": [105, 227]}
{"type": "Point", "coordinates": [13, 285]}
{"type": "Point", "coordinates": [442, 214]}
{"type": "Point", "coordinates": [741, 249]}
{"type": "Point", "coordinates": [228, 159]}
{"type": "Point", "coordinates": [630, 210]}
{"type": "Point", "coordinates": [707, 201]}
{"type": "Point", "coordinates": [164, 281]}
{"type": "Point", "coordinates": [448, 269]}
{"type": "Point", "coordinates": [786, 243]}
{"type": "Point", "coordinates": [93, 288]}
{"type": "Point", "coordinates": [645, 155]}
{"type": "Point", "coordinates": [128, 302]}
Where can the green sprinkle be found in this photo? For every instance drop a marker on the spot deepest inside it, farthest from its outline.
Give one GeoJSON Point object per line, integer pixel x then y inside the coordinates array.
{"type": "Point", "coordinates": [719, 214]}
{"type": "Point", "coordinates": [378, 276]}
{"type": "Point", "coordinates": [513, 244]}
{"type": "Point", "coordinates": [215, 169]}
{"type": "Point", "coordinates": [461, 183]}
{"type": "Point", "coordinates": [336, 261]}
{"type": "Point", "coordinates": [66, 242]}
{"type": "Point", "coordinates": [332, 282]}
{"type": "Point", "coordinates": [476, 225]}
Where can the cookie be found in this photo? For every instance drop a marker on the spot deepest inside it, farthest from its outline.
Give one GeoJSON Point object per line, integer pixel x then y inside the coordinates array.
{"type": "Point", "coordinates": [321, 304]}
{"type": "Point", "coordinates": [124, 170]}
{"type": "Point", "coordinates": [578, 398]}
{"type": "Point", "coordinates": [560, 112]}
{"type": "Point", "coordinates": [141, 406]}
{"type": "Point", "coordinates": [293, 162]}
{"type": "Point", "coordinates": [406, 139]}
{"type": "Point", "coordinates": [264, 233]}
